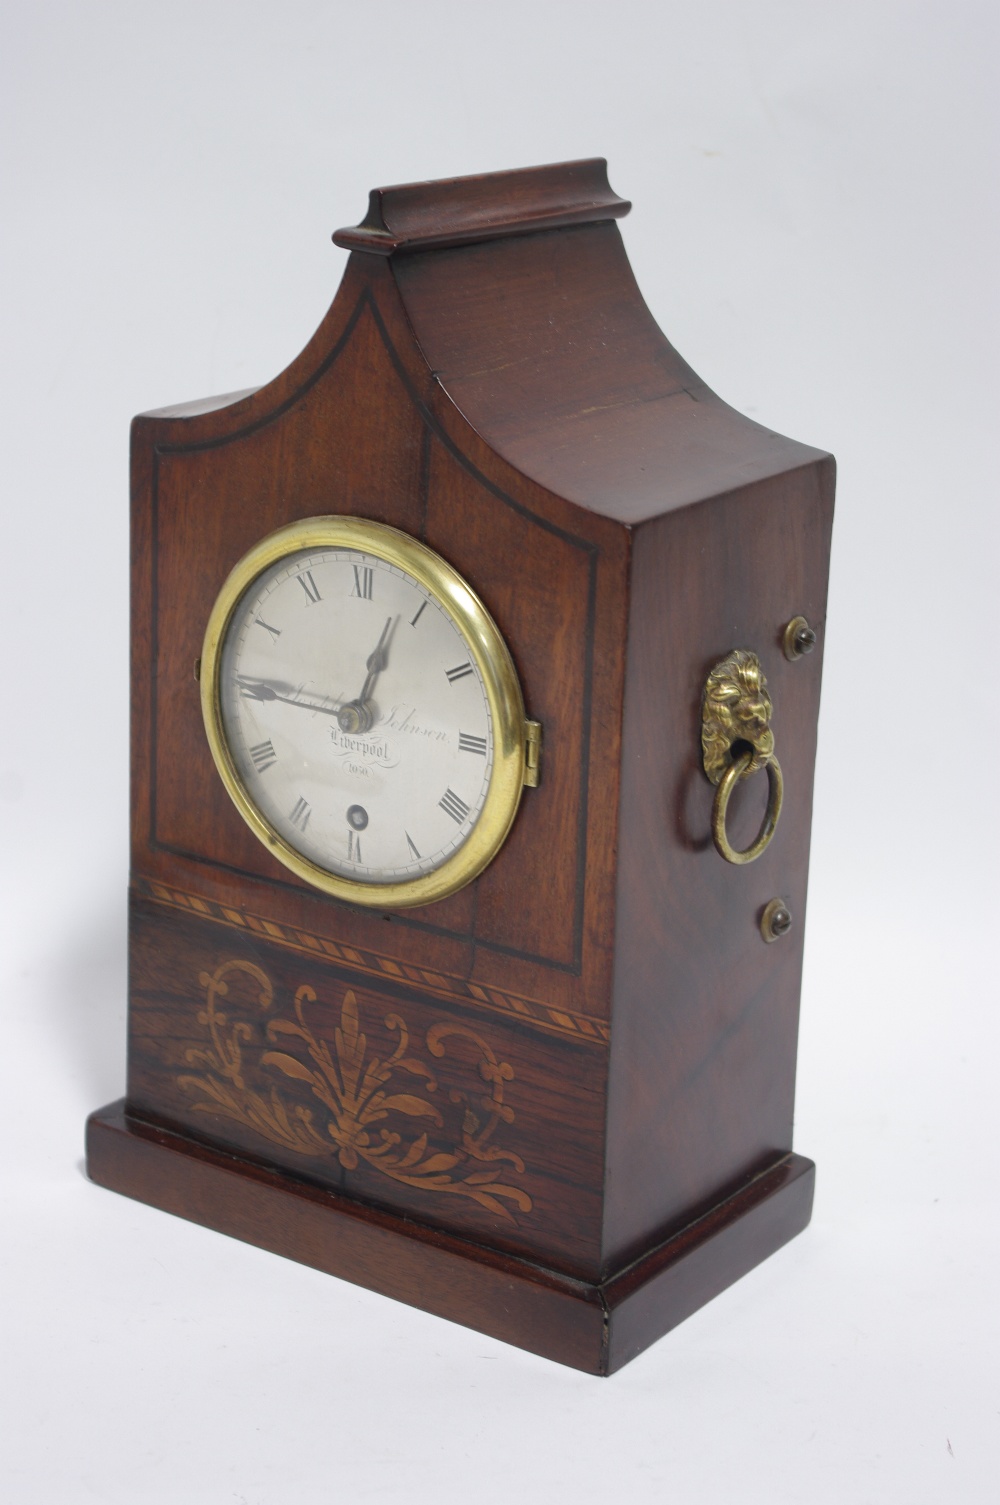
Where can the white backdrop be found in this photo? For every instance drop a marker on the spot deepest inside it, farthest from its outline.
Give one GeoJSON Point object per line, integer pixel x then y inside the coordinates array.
{"type": "Point", "coordinates": [815, 230]}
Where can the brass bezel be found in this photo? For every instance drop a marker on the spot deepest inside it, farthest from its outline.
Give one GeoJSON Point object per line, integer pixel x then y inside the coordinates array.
{"type": "Point", "coordinates": [485, 643]}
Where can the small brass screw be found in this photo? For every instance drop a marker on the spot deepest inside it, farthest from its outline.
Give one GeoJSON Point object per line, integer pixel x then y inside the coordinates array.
{"type": "Point", "coordinates": [776, 920]}
{"type": "Point", "coordinates": [797, 639]}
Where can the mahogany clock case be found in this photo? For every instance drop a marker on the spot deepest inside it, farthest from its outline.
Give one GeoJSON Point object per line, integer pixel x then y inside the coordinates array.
{"type": "Point", "coordinates": [556, 1106]}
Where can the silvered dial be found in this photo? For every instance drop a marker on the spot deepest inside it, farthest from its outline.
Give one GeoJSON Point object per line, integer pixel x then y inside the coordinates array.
{"type": "Point", "coordinates": [355, 715]}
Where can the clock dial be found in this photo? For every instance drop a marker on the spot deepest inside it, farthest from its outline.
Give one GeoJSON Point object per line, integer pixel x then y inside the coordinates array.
{"type": "Point", "coordinates": [364, 712]}
{"type": "Point", "coordinates": [355, 715]}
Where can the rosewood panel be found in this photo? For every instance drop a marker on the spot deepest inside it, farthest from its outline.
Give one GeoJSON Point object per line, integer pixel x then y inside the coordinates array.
{"type": "Point", "coordinates": [545, 343]}
{"type": "Point", "coordinates": [212, 502]}
{"type": "Point", "coordinates": [547, 655]}
{"type": "Point", "coordinates": [705, 1015]}
{"type": "Point", "coordinates": [538, 583]}
{"type": "Point", "coordinates": [209, 483]}
{"type": "Point", "coordinates": [458, 1111]}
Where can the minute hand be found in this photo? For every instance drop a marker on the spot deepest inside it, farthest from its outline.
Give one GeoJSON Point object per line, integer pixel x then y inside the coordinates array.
{"type": "Point", "coordinates": [259, 689]}
{"type": "Point", "coordinates": [356, 715]}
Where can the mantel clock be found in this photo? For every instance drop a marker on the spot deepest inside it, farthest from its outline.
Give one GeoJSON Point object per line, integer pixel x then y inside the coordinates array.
{"type": "Point", "coordinates": [475, 680]}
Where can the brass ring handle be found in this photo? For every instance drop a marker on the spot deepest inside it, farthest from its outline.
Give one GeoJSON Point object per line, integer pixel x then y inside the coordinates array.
{"type": "Point", "coordinates": [727, 783]}
{"type": "Point", "coordinates": [737, 741]}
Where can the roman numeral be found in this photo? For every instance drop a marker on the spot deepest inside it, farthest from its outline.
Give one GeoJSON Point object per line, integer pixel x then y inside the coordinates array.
{"type": "Point", "coordinates": [309, 585]}
{"type": "Point", "coordinates": [459, 673]}
{"type": "Point", "coordinates": [471, 744]}
{"type": "Point", "coordinates": [416, 619]}
{"type": "Point", "coordinates": [274, 631]}
{"type": "Point", "coordinates": [263, 756]}
{"type": "Point", "coordinates": [410, 844]}
{"type": "Point", "coordinates": [300, 815]}
{"type": "Point", "coordinates": [452, 805]}
{"type": "Point", "coordinates": [353, 847]}
{"type": "Point", "coordinates": [362, 582]}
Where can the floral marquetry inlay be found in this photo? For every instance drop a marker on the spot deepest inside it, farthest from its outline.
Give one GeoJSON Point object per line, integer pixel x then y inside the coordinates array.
{"type": "Point", "coordinates": [362, 1097]}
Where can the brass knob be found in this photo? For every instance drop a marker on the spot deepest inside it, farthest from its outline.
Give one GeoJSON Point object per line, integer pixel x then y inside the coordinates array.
{"type": "Point", "coordinates": [776, 920]}
{"type": "Point", "coordinates": [798, 638]}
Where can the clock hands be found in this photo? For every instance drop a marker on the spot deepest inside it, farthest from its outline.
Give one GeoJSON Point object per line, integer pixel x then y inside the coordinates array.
{"type": "Point", "coordinates": [353, 716]}
{"type": "Point", "coordinates": [357, 715]}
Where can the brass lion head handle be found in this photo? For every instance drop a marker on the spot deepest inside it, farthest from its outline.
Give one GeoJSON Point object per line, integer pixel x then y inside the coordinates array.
{"type": "Point", "coordinates": [737, 741]}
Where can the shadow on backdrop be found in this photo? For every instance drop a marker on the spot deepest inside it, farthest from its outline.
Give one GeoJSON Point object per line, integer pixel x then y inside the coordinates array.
{"type": "Point", "coordinates": [85, 1003]}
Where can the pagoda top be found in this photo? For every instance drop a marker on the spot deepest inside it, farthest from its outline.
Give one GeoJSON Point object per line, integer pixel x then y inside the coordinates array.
{"type": "Point", "coordinates": [457, 211]}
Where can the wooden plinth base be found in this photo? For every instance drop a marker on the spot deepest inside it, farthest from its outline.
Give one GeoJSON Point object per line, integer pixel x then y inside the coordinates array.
{"type": "Point", "coordinates": [597, 1328]}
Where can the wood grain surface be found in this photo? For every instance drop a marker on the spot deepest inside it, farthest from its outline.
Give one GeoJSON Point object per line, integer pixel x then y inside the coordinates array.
{"type": "Point", "coordinates": [588, 1326]}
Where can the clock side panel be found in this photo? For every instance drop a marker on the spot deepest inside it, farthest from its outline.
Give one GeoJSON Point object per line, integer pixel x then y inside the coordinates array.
{"type": "Point", "coordinates": [468, 1118]}
{"type": "Point", "coordinates": [705, 1014]}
